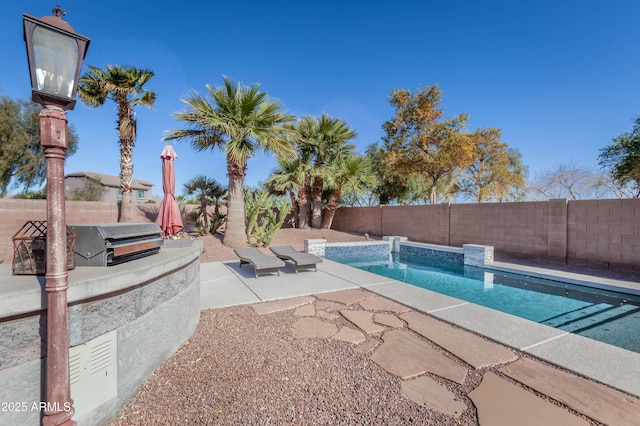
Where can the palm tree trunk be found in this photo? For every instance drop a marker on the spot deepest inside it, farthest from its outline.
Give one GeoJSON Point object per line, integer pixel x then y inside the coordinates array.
{"type": "Point", "coordinates": [294, 208]}
{"type": "Point", "coordinates": [204, 214]}
{"type": "Point", "coordinates": [235, 235]}
{"type": "Point", "coordinates": [126, 173]}
{"type": "Point", "coordinates": [303, 212]}
{"type": "Point", "coordinates": [127, 133]}
{"type": "Point", "coordinates": [332, 206]}
{"type": "Point", "coordinates": [316, 203]}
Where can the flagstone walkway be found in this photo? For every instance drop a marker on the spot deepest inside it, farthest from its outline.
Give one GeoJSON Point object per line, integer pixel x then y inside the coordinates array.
{"type": "Point", "coordinates": [433, 360]}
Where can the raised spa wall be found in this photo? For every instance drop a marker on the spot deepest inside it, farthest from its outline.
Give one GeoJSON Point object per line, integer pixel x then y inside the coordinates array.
{"type": "Point", "coordinates": [468, 254]}
{"type": "Point", "coordinates": [124, 322]}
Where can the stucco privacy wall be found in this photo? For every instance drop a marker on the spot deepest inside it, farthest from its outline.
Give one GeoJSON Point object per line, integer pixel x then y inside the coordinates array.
{"type": "Point", "coordinates": [14, 213]}
{"type": "Point", "coordinates": [603, 233]}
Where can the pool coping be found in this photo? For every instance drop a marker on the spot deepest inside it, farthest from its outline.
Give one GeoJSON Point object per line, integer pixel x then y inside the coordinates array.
{"type": "Point", "coordinates": [629, 287]}
{"type": "Point", "coordinates": [225, 284]}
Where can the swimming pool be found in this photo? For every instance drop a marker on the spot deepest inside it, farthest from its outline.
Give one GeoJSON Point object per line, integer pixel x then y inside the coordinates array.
{"type": "Point", "coordinates": [606, 316]}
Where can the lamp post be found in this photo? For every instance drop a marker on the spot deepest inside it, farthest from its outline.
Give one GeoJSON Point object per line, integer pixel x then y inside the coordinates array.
{"type": "Point", "coordinates": [55, 54]}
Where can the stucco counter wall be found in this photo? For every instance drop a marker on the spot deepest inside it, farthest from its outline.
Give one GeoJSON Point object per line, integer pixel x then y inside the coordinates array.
{"type": "Point", "coordinates": [124, 321]}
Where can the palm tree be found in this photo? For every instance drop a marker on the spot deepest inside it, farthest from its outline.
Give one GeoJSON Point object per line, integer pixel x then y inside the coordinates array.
{"type": "Point", "coordinates": [351, 173]}
{"type": "Point", "coordinates": [207, 190]}
{"type": "Point", "coordinates": [239, 120]}
{"type": "Point", "coordinates": [125, 86]}
{"type": "Point", "coordinates": [323, 140]}
{"type": "Point", "coordinates": [292, 177]}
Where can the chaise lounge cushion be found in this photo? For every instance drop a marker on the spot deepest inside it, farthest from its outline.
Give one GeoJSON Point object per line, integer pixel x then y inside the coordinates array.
{"type": "Point", "coordinates": [260, 261]}
{"type": "Point", "coordinates": [299, 258]}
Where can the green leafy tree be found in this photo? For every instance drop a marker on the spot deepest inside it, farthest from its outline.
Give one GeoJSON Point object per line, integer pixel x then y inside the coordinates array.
{"type": "Point", "coordinates": [92, 189]}
{"type": "Point", "coordinates": [352, 173]}
{"type": "Point", "coordinates": [495, 173]}
{"type": "Point", "coordinates": [327, 143]}
{"type": "Point", "coordinates": [126, 87]}
{"type": "Point", "coordinates": [207, 191]}
{"type": "Point", "coordinates": [420, 140]}
{"type": "Point", "coordinates": [239, 120]}
{"type": "Point", "coordinates": [40, 194]}
{"type": "Point", "coordinates": [292, 177]}
{"type": "Point", "coordinates": [391, 186]}
{"type": "Point", "coordinates": [22, 160]}
{"type": "Point", "coordinates": [622, 159]}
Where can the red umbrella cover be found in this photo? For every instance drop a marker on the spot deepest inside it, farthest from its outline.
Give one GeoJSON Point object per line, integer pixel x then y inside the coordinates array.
{"type": "Point", "coordinates": [169, 217]}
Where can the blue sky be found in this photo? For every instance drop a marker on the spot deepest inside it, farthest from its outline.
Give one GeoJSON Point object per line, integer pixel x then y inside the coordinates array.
{"type": "Point", "coordinates": [560, 78]}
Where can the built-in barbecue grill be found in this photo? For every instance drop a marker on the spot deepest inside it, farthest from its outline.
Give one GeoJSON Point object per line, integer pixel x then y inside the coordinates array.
{"type": "Point", "coordinates": [112, 243]}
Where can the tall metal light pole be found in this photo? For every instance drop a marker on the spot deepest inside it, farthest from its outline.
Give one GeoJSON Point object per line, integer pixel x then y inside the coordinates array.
{"type": "Point", "coordinates": [55, 54]}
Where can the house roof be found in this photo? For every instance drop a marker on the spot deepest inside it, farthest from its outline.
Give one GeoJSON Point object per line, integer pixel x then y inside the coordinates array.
{"type": "Point", "coordinates": [112, 181]}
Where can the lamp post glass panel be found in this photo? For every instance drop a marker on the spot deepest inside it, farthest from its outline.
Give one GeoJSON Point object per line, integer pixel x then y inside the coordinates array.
{"type": "Point", "coordinates": [56, 57]}
{"type": "Point", "coordinates": [55, 53]}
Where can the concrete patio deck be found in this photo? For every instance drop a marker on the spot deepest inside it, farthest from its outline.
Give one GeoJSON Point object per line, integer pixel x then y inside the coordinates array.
{"type": "Point", "coordinates": [392, 329]}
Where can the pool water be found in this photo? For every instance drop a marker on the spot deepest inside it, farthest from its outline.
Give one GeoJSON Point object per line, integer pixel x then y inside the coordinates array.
{"type": "Point", "coordinates": [606, 316]}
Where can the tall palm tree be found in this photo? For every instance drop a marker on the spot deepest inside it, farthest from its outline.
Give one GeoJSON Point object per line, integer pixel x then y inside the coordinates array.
{"type": "Point", "coordinates": [322, 139]}
{"type": "Point", "coordinates": [352, 173]}
{"type": "Point", "coordinates": [125, 86]}
{"type": "Point", "coordinates": [207, 190]}
{"type": "Point", "coordinates": [239, 120]}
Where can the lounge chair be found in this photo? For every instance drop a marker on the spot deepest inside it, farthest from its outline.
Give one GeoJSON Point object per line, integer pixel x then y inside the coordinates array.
{"type": "Point", "coordinates": [261, 263]}
{"type": "Point", "coordinates": [300, 259]}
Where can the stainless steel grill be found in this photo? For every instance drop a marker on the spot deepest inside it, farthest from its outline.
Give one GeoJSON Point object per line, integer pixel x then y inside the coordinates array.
{"type": "Point", "coordinates": [113, 243]}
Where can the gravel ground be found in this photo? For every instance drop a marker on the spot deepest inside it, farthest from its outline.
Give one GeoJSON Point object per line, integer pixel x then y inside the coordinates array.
{"type": "Point", "coordinates": [240, 368]}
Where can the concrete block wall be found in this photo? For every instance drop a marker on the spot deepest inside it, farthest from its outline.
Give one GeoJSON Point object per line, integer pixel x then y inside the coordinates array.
{"type": "Point", "coordinates": [423, 225]}
{"type": "Point", "coordinates": [520, 229]}
{"type": "Point", "coordinates": [359, 220]}
{"type": "Point", "coordinates": [602, 233]}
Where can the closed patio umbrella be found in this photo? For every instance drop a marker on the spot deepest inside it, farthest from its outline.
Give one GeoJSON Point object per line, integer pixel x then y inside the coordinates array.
{"type": "Point", "coordinates": [169, 217]}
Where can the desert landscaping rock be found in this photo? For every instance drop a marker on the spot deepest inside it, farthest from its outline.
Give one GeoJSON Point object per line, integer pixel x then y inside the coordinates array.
{"type": "Point", "coordinates": [406, 356]}
{"type": "Point", "coordinates": [310, 327]}
{"type": "Point", "coordinates": [367, 346]}
{"type": "Point", "coordinates": [328, 305]}
{"type": "Point", "coordinates": [388, 320]}
{"type": "Point", "coordinates": [379, 303]}
{"type": "Point", "coordinates": [597, 401]}
{"type": "Point", "coordinates": [305, 311]}
{"type": "Point", "coordinates": [500, 402]}
{"type": "Point", "coordinates": [472, 349]}
{"type": "Point", "coordinates": [363, 320]}
{"type": "Point", "coordinates": [281, 305]}
{"type": "Point", "coordinates": [348, 334]}
{"type": "Point", "coordinates": [330, 316]}
{"type": "Point", "coordinates": [346, 297]}
{"type": "Point", "coordinates": [425, 391]}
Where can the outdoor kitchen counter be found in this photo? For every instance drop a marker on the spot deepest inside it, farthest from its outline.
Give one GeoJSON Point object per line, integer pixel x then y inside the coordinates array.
{"type": "Point", "coordinates": [23, 294]}
{"type": "Point", "coordinates": [124, 321]}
